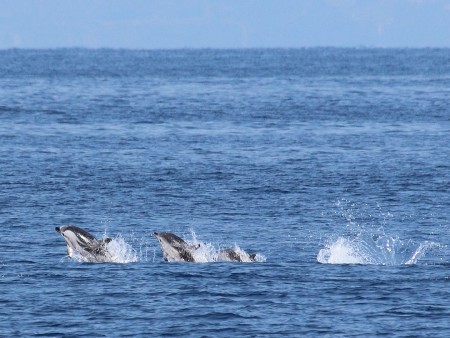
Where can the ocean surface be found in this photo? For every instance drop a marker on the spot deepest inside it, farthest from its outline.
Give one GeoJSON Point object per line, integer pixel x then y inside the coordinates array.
{"type": "Point", "coordinates": [333, 165]}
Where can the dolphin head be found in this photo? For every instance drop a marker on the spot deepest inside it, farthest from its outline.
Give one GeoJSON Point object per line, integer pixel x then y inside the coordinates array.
{"type": "Point", "coordinates": [169, 238]}
{"type": "Point", "coordinates": [73, 235]}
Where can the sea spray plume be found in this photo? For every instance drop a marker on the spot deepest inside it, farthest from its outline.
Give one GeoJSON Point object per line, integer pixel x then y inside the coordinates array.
{"type": "Point", "coordinates": [121, 251]}
{"type": "Point", "coordinates": [339, 252]}
{"type": "Point", "coordinates": [205, 252]}
{"type": "Point", "coordinates": [376, 250]}
{"type": "Point", "coordinates": [363, 240]}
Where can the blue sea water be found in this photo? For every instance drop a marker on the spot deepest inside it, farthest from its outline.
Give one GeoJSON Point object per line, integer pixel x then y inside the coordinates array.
{"type": "Point", "coordinates": [332, 164]}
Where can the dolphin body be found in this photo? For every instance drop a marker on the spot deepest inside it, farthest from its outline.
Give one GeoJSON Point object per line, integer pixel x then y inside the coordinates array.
{"type": "Point", "coordinates": [235, 255]}
{"type": "Point", "coordinates": [82, 243]}
{"type": "Point", "coordinates": [175, 248]}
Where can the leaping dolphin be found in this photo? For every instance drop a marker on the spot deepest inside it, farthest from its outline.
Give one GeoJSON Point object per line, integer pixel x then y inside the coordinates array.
{"type": "Point", "coordinates": [175, 248]}
{"type": "Point", "coordinates": [82, 243]}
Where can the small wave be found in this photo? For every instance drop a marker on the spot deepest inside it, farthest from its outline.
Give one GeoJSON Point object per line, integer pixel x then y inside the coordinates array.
{"type": "Point", "coordinates": [376, 250]}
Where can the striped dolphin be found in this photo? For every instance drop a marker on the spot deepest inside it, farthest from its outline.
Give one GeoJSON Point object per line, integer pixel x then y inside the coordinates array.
{"type": "Point", "coordinates": [82, 244]}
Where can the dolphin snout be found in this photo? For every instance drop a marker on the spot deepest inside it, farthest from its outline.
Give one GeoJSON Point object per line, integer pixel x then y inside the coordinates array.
{"type": "Point", "coordinates": [155, 233]}
{"type": "Point", "coordinates": [58, 229]}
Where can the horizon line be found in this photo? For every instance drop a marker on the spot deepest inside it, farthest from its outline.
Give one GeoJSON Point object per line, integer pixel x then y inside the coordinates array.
{"type": "Point", "coordinates": [218, 48]}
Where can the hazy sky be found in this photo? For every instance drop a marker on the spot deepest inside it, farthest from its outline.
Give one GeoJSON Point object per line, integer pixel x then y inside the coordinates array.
{"type": "Point", "coordinates": [223, 23]}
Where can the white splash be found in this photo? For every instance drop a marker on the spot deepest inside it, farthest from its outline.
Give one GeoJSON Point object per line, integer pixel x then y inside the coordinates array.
{"type": "Point", "coordinates": [204, 253]}
{"type": "Point", "coordinates": [376, 250]}
{"type": "Point", "coordinates": [121, 251]}
{"type": "Point", "coordinates": [365, 240]}
{"type": "Point", "coordinates": [342, 251]}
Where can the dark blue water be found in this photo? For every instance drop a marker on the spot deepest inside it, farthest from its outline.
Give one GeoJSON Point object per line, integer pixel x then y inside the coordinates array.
{"type": "Point", "coordinates": [332, 164]}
